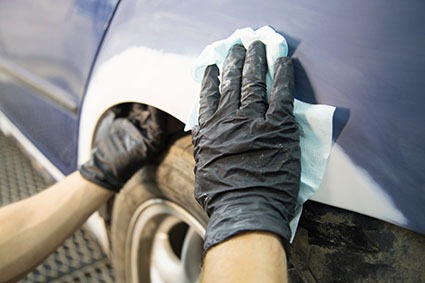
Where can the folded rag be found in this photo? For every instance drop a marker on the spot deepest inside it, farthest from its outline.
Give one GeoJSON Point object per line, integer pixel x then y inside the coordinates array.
{"type": "Point", "coordinates": [315, 120]}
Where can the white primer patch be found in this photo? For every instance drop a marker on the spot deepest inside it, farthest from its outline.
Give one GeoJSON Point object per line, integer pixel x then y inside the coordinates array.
{"type": "Point", "coordinates": [350, 187]}
{"type": "Point", "coordinates": [138, 74]}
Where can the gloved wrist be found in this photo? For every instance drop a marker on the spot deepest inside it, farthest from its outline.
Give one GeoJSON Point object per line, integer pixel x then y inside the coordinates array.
{"type": "Point", "coordinates": [91, 171]}
{"type": "Point", "coordinates": [253, 210]}
{"type": "Point", "coordinates": [129, 144]}
{"type": "Point", "coordinates": [117, 156]}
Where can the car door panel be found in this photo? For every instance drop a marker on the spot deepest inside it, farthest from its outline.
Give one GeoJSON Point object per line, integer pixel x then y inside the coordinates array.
{"type": "Point", "coordinates": [47, 49]}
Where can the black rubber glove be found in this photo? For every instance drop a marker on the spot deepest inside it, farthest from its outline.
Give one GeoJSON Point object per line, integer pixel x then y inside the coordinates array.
{"type": "Point", "coordinates": [247, 152]}
{"type": "Point", "coordinates": [128, 144]}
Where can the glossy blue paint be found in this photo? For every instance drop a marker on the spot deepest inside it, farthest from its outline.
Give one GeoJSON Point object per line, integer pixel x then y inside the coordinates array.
{"type": "Point", "coordinates": [53, 44]}
{"type": "Point", "coordinates": [46, 124]}
{"type": "Point", "coordinates": [365, 57]}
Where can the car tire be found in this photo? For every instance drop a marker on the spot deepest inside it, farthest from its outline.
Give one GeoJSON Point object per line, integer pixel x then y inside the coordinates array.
{"type": "Point", "coordinates": [157, 225]}
{"type": "Point", "coordinates": [329, 240]}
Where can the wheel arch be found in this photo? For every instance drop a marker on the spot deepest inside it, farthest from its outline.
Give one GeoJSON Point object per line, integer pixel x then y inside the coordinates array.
{"type": "Point", "coordinates": [135, 74]}
{"type": "Point", "coordinates": [93, 120]}
{"type": "Point", "coordinates": [129, 68]}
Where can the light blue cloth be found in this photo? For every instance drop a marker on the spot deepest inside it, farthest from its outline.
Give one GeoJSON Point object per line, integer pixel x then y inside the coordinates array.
{"type": "Point", "coordinates": [315, 120]}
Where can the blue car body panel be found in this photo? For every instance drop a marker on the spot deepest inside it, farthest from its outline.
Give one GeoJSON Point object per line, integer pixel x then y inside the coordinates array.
{"type": "Point", "coordinates": [47, 49]}
{"type": "Point", "coordinates": [367, 58]}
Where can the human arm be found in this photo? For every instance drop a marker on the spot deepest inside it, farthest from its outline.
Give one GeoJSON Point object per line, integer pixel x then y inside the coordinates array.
{"type": "Point", "coordinates": [247, 257]}
{"type": "Point", "coordinates": [247, 171]}
{"type": "Point", "coordinates": [33, 228]}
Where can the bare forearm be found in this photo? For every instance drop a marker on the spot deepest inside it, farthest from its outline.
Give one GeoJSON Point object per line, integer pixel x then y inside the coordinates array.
{"type": "Point", "coordinates": [33, 228]}
{"type": "Point", "coordinates": [248, 257]}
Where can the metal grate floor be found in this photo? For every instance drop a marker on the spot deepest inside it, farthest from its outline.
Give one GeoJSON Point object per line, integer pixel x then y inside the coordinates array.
{"type": "Point", "coordinates": [80, 258]}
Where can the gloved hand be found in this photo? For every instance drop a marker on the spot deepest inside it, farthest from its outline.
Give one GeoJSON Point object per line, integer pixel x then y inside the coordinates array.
{"type": "Point", "coordinates": [128, 145]}
{"type": "Point", "coordinates": [247, 152]}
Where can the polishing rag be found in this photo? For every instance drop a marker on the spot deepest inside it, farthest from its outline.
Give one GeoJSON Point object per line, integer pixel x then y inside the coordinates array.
{"type": "Point", "coordinates": [315, 121]}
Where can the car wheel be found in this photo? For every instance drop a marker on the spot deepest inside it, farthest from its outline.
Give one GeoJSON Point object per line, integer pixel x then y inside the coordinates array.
{"type": "Point", "coordinates": [157, 225]}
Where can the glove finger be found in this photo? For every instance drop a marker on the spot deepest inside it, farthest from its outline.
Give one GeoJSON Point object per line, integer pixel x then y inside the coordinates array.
{"type": "Point", "coordinates": [149, 120]}
{"type": "Point", "coordinates": [253, 100]}
{"type": "Point", "coordinates": [210, 94]}
{"type": "Point", "coordinates": [157, 116]}
{"type": "Point", "coordinates": [231, 81]}
{"type": "Point", "coordinates": [128, 147]}
{"type": "Point", "coordinates": [281, 101]}
{"type": "Point", "coordinates": [157, 122]}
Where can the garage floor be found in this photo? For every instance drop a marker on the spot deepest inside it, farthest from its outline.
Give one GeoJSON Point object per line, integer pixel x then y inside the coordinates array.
{"type": "Point", "coordinates": [80, 258]}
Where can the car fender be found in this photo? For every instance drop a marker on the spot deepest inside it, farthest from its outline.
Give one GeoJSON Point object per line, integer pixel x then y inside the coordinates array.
{"type": "Point", "coordinates": [146, 57]}
{"type": "Point", "coordinates": [137, 74]}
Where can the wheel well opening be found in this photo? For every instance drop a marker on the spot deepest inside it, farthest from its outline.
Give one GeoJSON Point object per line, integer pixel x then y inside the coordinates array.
{"type": "Point", "coordinates": [173, 126]}
{"type": "Point", "coordinates": [174, 129]}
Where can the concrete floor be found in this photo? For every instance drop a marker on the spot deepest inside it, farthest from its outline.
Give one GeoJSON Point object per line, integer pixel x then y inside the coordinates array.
{"type": "Point", "coordinates": [80, 258]}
